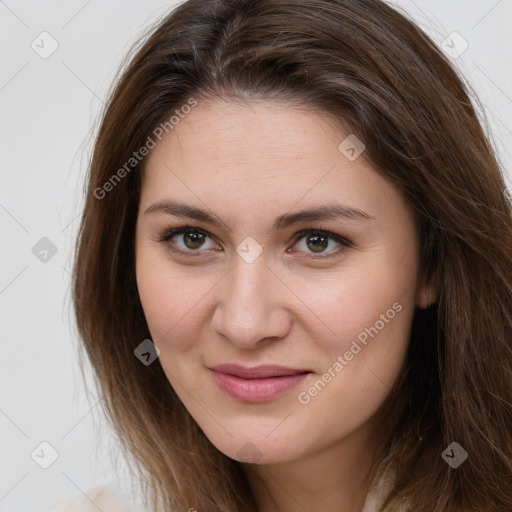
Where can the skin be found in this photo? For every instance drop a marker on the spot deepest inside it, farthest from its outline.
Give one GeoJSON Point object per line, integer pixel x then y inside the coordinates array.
{"type": "Point", "coordinates": [249, 164]}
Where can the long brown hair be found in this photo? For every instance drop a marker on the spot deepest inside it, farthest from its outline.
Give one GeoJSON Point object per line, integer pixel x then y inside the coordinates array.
{"type": "Point", "coordinates": [367, 65]}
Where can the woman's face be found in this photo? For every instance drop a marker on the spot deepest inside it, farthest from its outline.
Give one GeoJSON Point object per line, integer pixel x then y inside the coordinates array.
{"type": "Point", "coordinates": [242, 286]}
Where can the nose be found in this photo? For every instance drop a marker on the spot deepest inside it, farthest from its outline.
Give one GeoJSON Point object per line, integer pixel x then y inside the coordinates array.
{"type": "Point", "coordinates": [251, 306]}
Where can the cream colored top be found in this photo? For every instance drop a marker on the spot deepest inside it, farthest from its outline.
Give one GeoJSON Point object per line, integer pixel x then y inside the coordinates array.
{"type": "Point", "coordinates": [101, 498]}
{"type": "Point", "coordinates": [106, 500]}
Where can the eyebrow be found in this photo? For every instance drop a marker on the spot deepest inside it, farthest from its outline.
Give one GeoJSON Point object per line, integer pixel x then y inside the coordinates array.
{"type": "Point", "coordinates": [323, 212]}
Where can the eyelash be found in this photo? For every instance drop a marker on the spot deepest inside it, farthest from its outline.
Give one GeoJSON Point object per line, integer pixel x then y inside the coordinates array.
{"type": "Point", "coordinates": [344, 243]}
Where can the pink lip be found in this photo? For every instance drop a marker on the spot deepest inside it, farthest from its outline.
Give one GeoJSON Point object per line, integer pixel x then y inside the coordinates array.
{"type": "Point", "coordinates": [256, 384]}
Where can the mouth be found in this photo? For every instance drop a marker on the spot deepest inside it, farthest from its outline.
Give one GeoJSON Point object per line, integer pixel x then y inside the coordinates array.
{"type": "Point", "coordinates": [258, 384]}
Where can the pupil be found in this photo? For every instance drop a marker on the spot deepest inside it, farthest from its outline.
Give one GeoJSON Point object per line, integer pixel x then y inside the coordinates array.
{"type": "Point", "coordinates": [319, 242]}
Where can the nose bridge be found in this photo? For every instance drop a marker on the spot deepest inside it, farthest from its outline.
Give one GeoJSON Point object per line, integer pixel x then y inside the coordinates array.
{"type": "Point", "coordinates": [248, 308]}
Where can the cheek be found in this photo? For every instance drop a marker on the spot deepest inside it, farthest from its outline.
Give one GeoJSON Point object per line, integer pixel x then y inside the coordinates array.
{"type": "Point", "coordinates": [360, 365]}
{"type": "Point", "coordinates": [173, 302]}
{"type": "Point", "coordinates": [369, 313]}
{"type": "Point", "coordinates": [354, 303]}
{"type": "Point", "coordinates": [378, 308]}
{"type": "Point", "coordinates": [160, 294]}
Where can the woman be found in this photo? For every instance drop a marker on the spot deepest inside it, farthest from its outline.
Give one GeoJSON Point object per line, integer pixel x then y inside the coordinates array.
{"type": "Point", "coordinates": [293, 275]}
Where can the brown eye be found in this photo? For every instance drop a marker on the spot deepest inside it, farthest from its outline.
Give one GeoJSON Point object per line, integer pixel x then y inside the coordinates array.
{"type": "Point", "coordinates": [187, 239]}
{"type": "Point", "coordinates": [193, 239]}
{"type": "Point", "coordinates": [317, 243]}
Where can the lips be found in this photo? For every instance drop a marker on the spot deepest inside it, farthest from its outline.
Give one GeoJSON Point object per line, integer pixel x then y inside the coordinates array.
{"type": "Point", "coordinates": [257, 384]}
{"type": "Point", "coordinates": [258, 372]}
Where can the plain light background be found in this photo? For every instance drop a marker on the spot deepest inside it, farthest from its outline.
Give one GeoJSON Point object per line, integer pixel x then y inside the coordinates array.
{"type": "Point", "coordinates": [48, 107]}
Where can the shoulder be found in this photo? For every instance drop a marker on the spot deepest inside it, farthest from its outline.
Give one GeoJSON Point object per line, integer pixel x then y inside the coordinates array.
{"type": "Point", "coordinates": [100, 498]}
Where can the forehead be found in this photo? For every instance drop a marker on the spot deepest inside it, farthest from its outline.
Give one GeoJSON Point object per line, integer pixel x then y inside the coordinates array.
{"type": "Point", "coordinates": [258, 154]}
{"type": "Point", "coordinates": [232, 132]}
